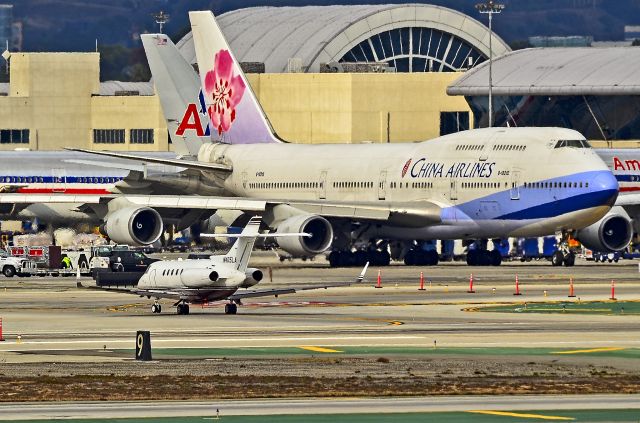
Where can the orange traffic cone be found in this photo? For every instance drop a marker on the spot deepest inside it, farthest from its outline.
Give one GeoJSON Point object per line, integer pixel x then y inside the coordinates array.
{"type": "Point", "coordinates": [517, 287]}
{"type": "Point", "coordinates": [471, 291]}
{"type": "Point", "coordinates": [571, 293]}
{"type": "Point", "coordinates": [421, 282]}
{"type": "Point", "coordinates": [379, 284]}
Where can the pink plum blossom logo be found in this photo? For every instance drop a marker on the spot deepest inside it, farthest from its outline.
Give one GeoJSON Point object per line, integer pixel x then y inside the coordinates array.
{"type": "Point", "coordinates": [405, 168]}
{"type": "Point", "coordinates": [224, 91]}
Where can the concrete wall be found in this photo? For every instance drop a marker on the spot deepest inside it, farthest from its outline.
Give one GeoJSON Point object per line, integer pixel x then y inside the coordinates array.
{"type": "Point", "coordinates": [56, 97]}
{"type": "Point", "coordinates": [333, 108]}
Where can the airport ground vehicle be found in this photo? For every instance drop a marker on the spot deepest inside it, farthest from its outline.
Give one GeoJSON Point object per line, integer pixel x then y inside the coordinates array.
{"type": "Point", "coordinates": [118, 258]}
{"type": "Point", "coordinates": [11, 265]}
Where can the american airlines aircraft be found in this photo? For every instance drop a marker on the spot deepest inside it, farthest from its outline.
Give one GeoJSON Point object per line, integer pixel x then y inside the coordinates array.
{"type": "Point", "coordinates": [64, 172]}
{"type": "Point", "coordinates": [216, 278]}
{"type": "Point", "coordinates": [483, 183]}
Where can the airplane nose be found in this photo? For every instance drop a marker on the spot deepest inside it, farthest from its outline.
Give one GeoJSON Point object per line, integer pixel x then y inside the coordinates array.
{"type": "Point", "coordinates": [607, 184]}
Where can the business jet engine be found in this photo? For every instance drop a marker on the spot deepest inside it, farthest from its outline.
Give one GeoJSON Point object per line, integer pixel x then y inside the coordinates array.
{"type": "Point", "coordinates": [133, 226]}
{"type": "Point", "coordinates": [319, 228]}
{"type": "Point", "coordinates": [253, 277]}
{"type": "Point", "coordinates": [611, 233]}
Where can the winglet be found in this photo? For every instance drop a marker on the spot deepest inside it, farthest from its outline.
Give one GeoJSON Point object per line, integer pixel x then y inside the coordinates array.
{"type": "Point", "coordinates": [364, 271]}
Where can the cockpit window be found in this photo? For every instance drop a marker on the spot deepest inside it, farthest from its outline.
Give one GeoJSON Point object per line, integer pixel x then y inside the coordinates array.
{"type": "Point", "coordinates": [572, 143]}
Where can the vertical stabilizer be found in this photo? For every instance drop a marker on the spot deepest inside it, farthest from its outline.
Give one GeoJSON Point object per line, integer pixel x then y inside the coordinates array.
{"type": "Point", "coordinates": [240, 252]}
{"type": "Point", "coordinates": [178, 87]}
{"type": "Point", "coordinates": [235, 115]}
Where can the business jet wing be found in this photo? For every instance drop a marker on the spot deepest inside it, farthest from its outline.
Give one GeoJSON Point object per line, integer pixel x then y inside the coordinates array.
{"type": "Point", "coordinates": [185, 164]}
{"type": "Point", "coordinates": [274, 292]}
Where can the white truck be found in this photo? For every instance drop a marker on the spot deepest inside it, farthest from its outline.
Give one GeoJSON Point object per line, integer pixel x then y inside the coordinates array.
{"type": "Point", "coordinates": [11, 266]}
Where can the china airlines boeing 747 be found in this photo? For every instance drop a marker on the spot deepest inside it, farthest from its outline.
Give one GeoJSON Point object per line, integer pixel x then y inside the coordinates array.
{"type": "Point", "coordinates": [482, 183]}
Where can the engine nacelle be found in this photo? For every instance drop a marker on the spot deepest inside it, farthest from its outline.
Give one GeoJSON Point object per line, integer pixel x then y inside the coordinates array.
{"type": "Point", "coordinates": [611, 233]}
{"type": "Point", "coordinates": [253, 277]}
{"type": "Point", "coordinates": [133, 226]}
{"type": "Point", "coordinates": [319, 241]}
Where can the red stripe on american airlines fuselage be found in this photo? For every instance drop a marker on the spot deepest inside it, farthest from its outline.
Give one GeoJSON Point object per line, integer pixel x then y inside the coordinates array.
{"type": "Point", "coordinates": [628, 189]}
{"type": "Point", "coordinates": [93, 191]}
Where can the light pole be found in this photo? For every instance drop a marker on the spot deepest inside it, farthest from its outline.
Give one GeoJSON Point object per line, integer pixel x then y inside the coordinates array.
{"type": "Point", "coordinates": [161, 19]}
{"type": "Point", "coordinates": [490, 7]}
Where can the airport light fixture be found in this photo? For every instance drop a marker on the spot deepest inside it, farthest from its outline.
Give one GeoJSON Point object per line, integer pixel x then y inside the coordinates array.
{"type": "Point", "coordinates": [161, 19]}
{"type": "Point", "coordinates": [490, 7]}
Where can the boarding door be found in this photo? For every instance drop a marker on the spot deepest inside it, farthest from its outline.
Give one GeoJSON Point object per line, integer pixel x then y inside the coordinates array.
{"type": "Point", "coordinates": [453, 189]}
{"type": "Point", "coordinates": [244, 181]}
{"type": "Point", "coordinates": [322, 191]}
{"type": "Point", "coordinates": [59, 180]}
{"type": "Point", "coordinates": [152, 278]}
{"type": "Point", "coordinates": [515, 184]}
{"type": "Point", "coordinates": [382, 185]}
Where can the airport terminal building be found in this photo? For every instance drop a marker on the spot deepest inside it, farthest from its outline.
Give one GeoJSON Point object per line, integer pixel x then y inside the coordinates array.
{"type": "Point", "coordinates": [331, 74]}
{"type": "Point", "coordinates": [335, 74]}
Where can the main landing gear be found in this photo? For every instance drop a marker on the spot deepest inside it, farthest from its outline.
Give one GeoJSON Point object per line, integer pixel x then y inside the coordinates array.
{"type": "Point", "coordinates": [230, 308]}
{"type": "Point", "coordinates": [419, 257]}
{"type": "Point", "coordinates": [484, 258]}
{"type": "Point", "coordinates": [156, 308]}
{"type": "Point", "coordinates": [563, 255]}
{"type": "Point", "coordinates": [359, 258]}
{"type": "Point", "coordinates": [182, 308]}
{"type": "Point", "coordinates": [559, 258]}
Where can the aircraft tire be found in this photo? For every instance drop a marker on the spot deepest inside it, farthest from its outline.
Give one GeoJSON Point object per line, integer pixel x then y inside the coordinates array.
{"type": "Point", "coordinates": [432, 258]}
{"type": "Point", "coordinates": [230, 308]}
{"type": "Point", "coordinates": [569, 259]}
{"type": "Point", "coordinates": [334, 259]}
{"type": "Point", "coordinates": [472, 258]}
{"type": "Point", "coordinates": [410, 258]}
{"type": "Point", "coordinates": [557, 259]}
{"type": "Point", "coordinates": [496, 258]}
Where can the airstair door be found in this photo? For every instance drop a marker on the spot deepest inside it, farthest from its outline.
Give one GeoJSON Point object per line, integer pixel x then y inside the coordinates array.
{"type": "Point", "coordinates": [382, 185]}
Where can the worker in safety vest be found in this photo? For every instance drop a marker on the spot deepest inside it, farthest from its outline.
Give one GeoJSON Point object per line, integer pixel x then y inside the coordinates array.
{"type": "Point", "coordinates": [66, 263]}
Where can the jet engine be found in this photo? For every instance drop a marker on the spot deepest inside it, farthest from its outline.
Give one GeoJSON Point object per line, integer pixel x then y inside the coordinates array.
{"type": "Point", "coordinates": [253, 277]}
{"type": "Point", "coordinates": [319, 228]}
{"type": "Point", "coordinates": [133, 226]}
{"type": "Point", "coordinates": [611, 233]}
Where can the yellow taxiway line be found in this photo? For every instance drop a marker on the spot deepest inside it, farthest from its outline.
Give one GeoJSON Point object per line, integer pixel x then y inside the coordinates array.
{"type": "Point", "coordinates": [593, 350]}
{"type": "Point", "coordinates": [319, 349]}
{"type": "Point", "coordinates": [521, 415]}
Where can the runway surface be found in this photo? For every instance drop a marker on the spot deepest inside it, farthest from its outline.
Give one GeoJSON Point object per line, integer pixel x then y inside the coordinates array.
{"type": "Point", "coordinates": [51, 313]}
{"type": "Point", "coordinates": [115, 410]}
{"type": "Point", "coordinates": [50, 320]}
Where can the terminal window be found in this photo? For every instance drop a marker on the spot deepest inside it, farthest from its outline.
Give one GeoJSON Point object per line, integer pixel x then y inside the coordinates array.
{"type": "Point", "coordinates": [108, 136]}
{"type": "Point", "coordinates": [141, 136]}
{"type": "Point", "coordinates": [451, 122]}
{"type": "Point", "coordinates": [14, 136]}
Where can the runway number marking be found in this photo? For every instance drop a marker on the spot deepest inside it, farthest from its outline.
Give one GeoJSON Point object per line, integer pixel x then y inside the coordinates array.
{"type": "Point", "coordinates": [522, 415]}
{"type": "Point", "coordinates": [319, 349]}
{"type": "Point", "coordinates": [593, 350]}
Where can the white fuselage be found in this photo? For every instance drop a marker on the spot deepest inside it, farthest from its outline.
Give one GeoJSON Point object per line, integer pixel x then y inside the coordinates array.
{"type": "Point", "coordinates": [494, 182]}
{"type": "Point", "coordinates": [193, 278]}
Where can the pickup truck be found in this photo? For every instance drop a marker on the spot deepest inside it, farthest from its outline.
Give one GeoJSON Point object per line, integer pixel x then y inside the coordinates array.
{"type": "Point", "coordinates": [10, 265]}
